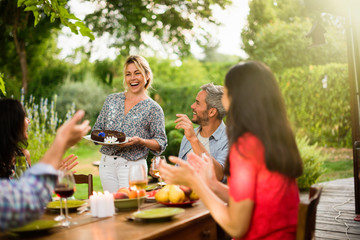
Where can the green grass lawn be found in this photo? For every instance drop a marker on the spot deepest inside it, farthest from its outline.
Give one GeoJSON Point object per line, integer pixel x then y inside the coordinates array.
{"type": "Point", "coordinates": [87, 152]}
{"type": "Point", "coordinates": [339, 164]}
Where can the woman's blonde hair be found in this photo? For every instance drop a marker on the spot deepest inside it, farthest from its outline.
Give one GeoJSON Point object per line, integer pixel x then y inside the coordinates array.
{"type": "Point", "coordinates": [143, 66]}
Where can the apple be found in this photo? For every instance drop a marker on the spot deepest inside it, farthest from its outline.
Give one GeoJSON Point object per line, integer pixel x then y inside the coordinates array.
{"type": "Point", "coordinates": [125, 190]}
{"type": "Point", "coordinates": [187, 190]}
{"type": "Point", "coordinates": [120, 195]}
{"type": "Point", "coordinates": [133, 193]}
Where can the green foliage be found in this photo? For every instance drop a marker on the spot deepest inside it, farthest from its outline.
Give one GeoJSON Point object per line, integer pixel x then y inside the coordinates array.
{"type": "Point", "coordinates": [2, 84]}
{"type": "Point", "coordinates": [55, 9]}
{"type": "Point", "coordinates": [174, 137]}
{"type": "Point", "coordinates": [170, 22]}
{"type": "Point", "coordinates": [282, 45]}
{"type": "Point", "coordinates": [50, 79]}
{"type": "Point", "coordinates": [175, 98]}
{"type": "Point", "coordinates": [42, 128]}
{"type": "Point", "coordinates": [322, 114]}
{"type": "Point", "coordinates": [22, 45]}
{"type": "Point", "coordinates": [87, 95]}
{"type": "Point", "coordinates": [313, 161]}
{"type": "Point", "coordinates": [276, 35]}
{"type": "Point", "coordinates": [105, 70]}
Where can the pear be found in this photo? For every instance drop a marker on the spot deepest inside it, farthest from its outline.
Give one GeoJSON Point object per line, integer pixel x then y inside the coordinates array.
{"type": "Point", "coordinates": [193, 196]}
{"type": "Point", "coordinates": [176, 195]}
{"type": "Point", "coordinates": [163, 194]}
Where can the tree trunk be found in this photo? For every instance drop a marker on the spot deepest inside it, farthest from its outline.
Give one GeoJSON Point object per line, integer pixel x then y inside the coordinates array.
{"type": "Point", "coordinates": [21, 51]}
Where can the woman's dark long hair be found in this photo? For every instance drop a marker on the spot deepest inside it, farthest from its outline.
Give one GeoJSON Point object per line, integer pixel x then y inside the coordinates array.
{"type": "Point", "coordinates": [257, 107]}
{"type": "Point", "coordinates": [12, 117]}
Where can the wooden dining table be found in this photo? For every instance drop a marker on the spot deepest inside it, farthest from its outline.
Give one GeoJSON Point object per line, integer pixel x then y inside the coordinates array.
{"type": "Point", "coordinates": [194, 223]}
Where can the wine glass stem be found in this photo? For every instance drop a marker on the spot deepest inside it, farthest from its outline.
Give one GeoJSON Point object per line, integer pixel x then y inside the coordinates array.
{"type": "Point", "coordinates": [61, 208]}
{"type": "Point", "coordinates": [138, 199]}
{"type": "Point", "coordinates": [66, 213]}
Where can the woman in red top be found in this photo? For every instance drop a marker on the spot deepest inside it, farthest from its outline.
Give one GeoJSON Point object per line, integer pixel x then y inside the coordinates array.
{"type": "Point", "coordinates": [262, 166]}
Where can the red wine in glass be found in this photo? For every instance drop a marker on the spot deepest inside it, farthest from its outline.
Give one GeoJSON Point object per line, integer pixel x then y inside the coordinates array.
{"type": "Point", "coordinates": [64, 192]}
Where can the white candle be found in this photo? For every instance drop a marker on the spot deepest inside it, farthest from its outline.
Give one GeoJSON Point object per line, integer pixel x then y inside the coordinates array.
{"type": "Point", "coordinates": [93, 204]}
{"type": "Point", "coordinates": [101, 205]}
{"type": "Point", "coordinates": [108, 203]}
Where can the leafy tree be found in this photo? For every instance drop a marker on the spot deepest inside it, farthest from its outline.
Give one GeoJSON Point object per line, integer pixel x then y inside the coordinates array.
{"type": "Point", "coordinates": [283, 45]}
{"type": "Point", "coordinates": [55, 9]}
{"type": "Point", "coordinates": [276, 35]}
{"type": "Point", "coordinates": [18, 36]}
{"type": "Point", "coordinates": [172, 22]}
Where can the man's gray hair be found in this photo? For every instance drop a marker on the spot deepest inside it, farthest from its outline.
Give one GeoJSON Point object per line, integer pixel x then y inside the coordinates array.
{"type": "Point", "coordinates": [213, 98]}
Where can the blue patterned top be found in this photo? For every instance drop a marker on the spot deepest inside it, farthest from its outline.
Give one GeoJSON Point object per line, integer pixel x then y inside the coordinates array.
{"type": "Point", "coordinates": [145, 120]}
{"type": "Point", "coordinates": [24, 200]}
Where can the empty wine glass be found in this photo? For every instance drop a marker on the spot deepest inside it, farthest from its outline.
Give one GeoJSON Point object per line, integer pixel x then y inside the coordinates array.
{"type": "Point", "coordinates": [137, 180]}
{"type": "Point", "coordinates": [65, 187]}
{"type": "Point", "coordinates": [156, 165]}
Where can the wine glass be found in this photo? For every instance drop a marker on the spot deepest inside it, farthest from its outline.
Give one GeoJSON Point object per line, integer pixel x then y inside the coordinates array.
{"type": "Point", "coordinates": [137, 180]}
{"type": "Point", "coordinates": [156, 165]}
{"type": "Point", "coordinates": [64, 188]}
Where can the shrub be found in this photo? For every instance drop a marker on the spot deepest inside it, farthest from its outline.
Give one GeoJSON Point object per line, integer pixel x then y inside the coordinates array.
{"type": "Point", "coordinates": [87, 95]}
{"type": "Point", "coordinates": [312, 162]}
{"type": "Point", "coordinates": [174, 137]}
{"type": "Point", "coordinates": [175, 99]}
{"type": "Point", "coordinates": [45, 84]}
{"type": "Point", "coordinates": [318, 103]}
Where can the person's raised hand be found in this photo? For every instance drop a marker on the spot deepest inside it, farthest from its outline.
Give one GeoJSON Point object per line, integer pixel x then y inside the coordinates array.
{"type": "Point", "coordinates": [185, 123]}
{"type": "Point", "coordinates": [66, 136]}
{"type": "Point", "coordinates": [71, 132]}
{"type": "Point", "coordinates": [204, 166]}
{"type": "Point", "coordinates": [182, 174]}
{"type": "Point", "coordinates": [68, 163]}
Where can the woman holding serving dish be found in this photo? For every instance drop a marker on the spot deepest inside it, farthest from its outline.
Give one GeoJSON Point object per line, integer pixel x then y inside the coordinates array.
{"type": "Point", "coordinates": [134, 113]}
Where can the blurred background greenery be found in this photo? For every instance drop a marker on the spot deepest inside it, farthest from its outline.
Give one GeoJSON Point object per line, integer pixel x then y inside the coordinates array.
{"type": "Point", "coordinates": [313, 80]}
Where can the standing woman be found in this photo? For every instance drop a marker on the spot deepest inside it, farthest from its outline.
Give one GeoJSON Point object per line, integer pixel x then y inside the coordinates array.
{"type": "Point", "coordinates": [139, 117]}
{"type": "Point", "coordinates": [262, 165]}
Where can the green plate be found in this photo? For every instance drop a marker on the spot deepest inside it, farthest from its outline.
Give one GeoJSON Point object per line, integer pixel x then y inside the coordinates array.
{"type": "Point", "coordinates": [158, 213]}
{"type": "Point", "coordinates": [151, 187]}
{"type": "Point", "coordinates": [36, 227]}
{"type": "Point", "coordinates": [124, 204]}
{"type": "Point", "coordinates": [72, 205]}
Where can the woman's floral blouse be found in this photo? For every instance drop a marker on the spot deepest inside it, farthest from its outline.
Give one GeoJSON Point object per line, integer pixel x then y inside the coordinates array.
{"type": "Point", "coordinates": [145, 120]}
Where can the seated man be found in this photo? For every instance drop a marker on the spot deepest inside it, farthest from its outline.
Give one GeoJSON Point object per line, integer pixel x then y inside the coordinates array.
{"type": "Point", "coordinates": [210, 137]}
{"type": "Point", "coordinates": [24, 200]}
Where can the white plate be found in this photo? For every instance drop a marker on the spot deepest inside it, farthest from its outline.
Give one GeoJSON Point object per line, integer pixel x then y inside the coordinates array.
{"type": "Point", "coordinates": [88, 137]}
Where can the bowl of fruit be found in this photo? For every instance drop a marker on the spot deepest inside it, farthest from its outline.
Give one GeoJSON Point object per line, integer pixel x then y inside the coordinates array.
{"type": "Point", "coordinates": [176, 196]}
{"type": "Point", "coordinates": [125, 198]}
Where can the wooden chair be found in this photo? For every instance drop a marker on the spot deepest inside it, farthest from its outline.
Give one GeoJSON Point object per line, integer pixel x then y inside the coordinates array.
{"type": "Point", "coordinates": [85, 179]}
{"type": "Point", "coordinates": [307, 215]}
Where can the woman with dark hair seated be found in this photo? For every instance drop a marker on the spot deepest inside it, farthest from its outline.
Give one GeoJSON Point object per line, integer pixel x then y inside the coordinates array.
{"type": "Point", "coordinates": [13, 140]}
{"type": "Point", "coordinates": [25, 199]}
